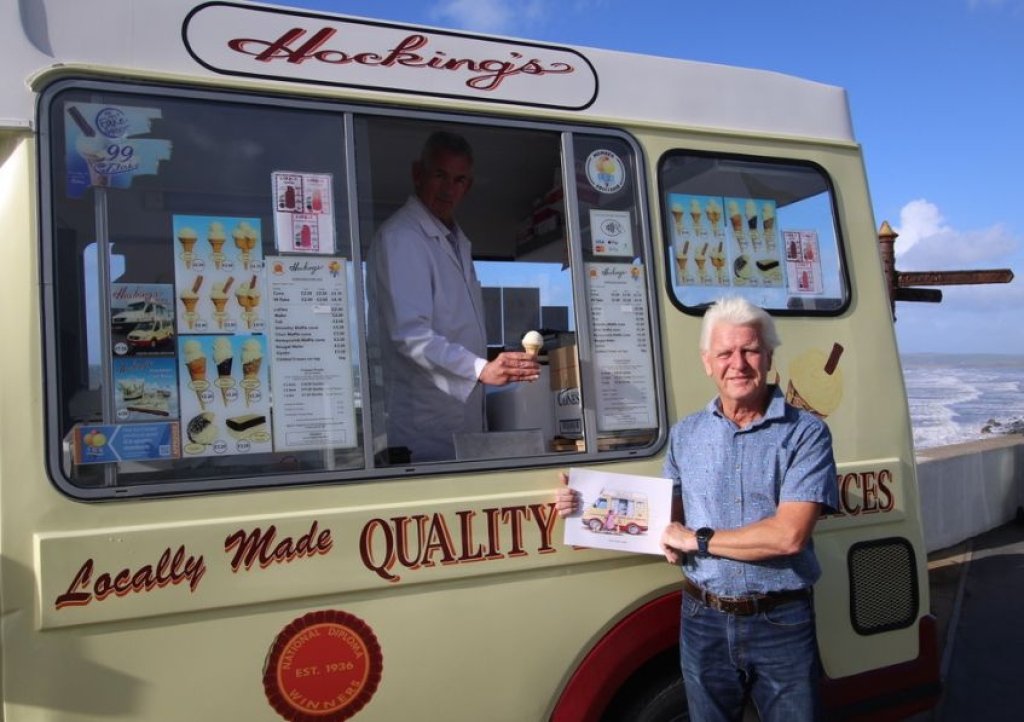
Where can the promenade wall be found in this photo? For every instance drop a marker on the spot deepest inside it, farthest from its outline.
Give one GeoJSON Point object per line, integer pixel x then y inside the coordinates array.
{"type": "Point", "coordinates": [968, 489]}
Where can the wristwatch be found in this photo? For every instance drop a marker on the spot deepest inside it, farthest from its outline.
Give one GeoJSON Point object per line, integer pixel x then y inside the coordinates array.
{"type": "Point", "coordinates": [704, 535]}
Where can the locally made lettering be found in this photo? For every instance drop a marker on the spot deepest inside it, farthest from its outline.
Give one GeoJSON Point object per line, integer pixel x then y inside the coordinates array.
{"type": "Point", "coordinates": [171, 569]}
{"type": "Point", "coordinates": [261, 546]}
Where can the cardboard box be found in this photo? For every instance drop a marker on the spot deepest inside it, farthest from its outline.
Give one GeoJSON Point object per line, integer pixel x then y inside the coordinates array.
{"type": "Point", "coordinates": [565, 368]}
{"type": "Point", "coordinates": [565, 388]}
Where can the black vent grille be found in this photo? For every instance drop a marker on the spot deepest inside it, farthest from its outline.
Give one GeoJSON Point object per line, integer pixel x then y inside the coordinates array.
{"type": "Point", "coordinates": [883, 585]}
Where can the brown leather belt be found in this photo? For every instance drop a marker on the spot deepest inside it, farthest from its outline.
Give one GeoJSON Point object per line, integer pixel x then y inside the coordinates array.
{"type": "Point", "coordinates": [743, 606]}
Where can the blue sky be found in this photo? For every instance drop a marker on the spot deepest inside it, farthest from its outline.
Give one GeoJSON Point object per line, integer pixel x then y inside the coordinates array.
{"type": "Point", "coordinates": [937, 101]}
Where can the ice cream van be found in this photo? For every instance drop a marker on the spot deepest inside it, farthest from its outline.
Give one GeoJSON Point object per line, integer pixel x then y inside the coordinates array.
{"type": "Point", "coordinates": [616, 512]}
{"type": "Point", "coordinates": [218, 528]}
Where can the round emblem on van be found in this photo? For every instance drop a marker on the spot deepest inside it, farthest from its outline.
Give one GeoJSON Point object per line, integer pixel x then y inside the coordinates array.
{"type": "Point", "coordinates": [323, 667]}
{"type": "Point", "coordinates": [605, 171]}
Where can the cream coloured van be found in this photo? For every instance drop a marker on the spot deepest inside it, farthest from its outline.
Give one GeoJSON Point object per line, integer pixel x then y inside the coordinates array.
{"type": "Point", "coordinates": [219, 529]}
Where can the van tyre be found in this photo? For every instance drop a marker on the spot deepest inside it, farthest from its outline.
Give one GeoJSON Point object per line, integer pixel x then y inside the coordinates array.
{"type": "Point", "coordinates": [662, 698]}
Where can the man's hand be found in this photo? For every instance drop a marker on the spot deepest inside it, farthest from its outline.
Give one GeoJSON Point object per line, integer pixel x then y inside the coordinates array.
{"type": "Point", "coordinates": [567, 501]}
{"type": "Point", "coordinates": [676, 541]}
{"type": "Point", "coordinates": [508, 367]}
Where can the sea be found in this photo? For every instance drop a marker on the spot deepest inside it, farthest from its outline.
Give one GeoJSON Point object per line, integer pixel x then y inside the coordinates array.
{"type": "Point", "coordinates": [955, 398]}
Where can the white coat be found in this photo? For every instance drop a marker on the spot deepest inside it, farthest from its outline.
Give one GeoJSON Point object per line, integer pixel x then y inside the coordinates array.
{"type": "Point", "coordinates": [426, 317]}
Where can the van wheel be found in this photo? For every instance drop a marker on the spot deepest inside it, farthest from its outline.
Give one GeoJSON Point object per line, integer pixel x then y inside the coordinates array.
{"type": "Point", "coordinates": [660, 699]}
{"type": "Point", "coordinates": [595, 525]}
{"type": "Point", "coordinates": [633, 529]}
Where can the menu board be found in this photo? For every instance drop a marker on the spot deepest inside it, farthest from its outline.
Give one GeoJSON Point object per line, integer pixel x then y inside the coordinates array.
{"type": "Point", "coordinates": [623, 362]}
{"type": "Point", "coordinates": [311, 369]}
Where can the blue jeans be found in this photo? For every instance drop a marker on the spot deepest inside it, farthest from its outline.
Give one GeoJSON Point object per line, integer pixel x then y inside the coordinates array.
{"type": "Point", "coordinates": [770, 658]}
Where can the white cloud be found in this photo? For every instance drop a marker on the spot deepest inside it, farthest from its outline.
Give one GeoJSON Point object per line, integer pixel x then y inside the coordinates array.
{"type": "Point", "coordinates": [488, 16]}
{"type": "Point", "coordinates": [927, 242]}
{"type": "Point", "coordinates": [973, 318]}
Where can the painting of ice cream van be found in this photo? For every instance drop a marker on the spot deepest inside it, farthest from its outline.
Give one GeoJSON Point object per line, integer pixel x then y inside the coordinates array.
{"type": "Point", "coordinates": [615, 512]}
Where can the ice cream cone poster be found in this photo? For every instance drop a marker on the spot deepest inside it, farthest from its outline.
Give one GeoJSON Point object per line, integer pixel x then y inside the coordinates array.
{"type": "Point", "coordinates": [303, 212]}
{"type": "Point", "coordinates": [611, 233]}
{"type": "Point", "coordinates": [224, 395]}
{"type": "Point", "coordinates": [218, 271]}
{"type": "Point", "coordinates": [803, 262]}
{"type": "Point", "coordinates": [145, 388]}
{"type": "Point", "coordinates": [102, 150]}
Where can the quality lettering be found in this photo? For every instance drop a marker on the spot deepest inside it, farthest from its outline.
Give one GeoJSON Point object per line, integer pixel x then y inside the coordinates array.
{"type": "Point", "coordinates": [414, 542]}
{"type": "Point", "coordinates": [172, 569]}
{"type": "Point", "coordinates": [485, 74]}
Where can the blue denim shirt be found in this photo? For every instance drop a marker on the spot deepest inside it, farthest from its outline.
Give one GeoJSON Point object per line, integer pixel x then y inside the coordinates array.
{"type": "Point", "coordinates": [730, 477]}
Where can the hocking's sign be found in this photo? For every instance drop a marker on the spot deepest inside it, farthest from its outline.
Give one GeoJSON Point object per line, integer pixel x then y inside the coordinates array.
{"type": "Point", "coordinates": [304, 47]}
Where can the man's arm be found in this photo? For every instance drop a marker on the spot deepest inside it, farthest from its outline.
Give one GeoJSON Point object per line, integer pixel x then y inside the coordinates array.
{"type": "Point", "coordinates": [404, 302]}
{"type": "Point", "coordinates": [811, 488]}
{"type": "Point", "coordinates": [783, 534]}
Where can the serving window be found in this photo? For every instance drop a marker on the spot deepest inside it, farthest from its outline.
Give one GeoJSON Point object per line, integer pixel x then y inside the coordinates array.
{"type": "Point", "coordinates": [760, 228]}
{"type": "Point", "coordinates": [208, 322]}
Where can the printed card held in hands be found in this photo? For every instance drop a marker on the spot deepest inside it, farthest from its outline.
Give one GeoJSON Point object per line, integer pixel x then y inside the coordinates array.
{"type": "Point", "coordinates": [619, 511]}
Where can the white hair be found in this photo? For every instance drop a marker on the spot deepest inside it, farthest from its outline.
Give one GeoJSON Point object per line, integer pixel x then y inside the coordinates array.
{"type": "Point", "coordinates": [738, 311]}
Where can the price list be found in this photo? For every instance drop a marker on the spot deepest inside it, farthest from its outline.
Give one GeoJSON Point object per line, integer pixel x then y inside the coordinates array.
{"type": "Point", "coordinates": [312, 377]}
{"type": "Point", "coordinates": [621, 346]}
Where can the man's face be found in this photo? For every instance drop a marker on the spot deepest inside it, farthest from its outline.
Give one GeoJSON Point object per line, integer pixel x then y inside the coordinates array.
{"type": "Point", "coordinates": [738, 363]}
{"type": "Point", "coordinates": [442, 183]}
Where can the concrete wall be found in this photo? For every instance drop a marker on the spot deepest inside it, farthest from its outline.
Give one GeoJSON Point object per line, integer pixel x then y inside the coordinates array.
{"type": "Point", "coordinates": [967, 489]}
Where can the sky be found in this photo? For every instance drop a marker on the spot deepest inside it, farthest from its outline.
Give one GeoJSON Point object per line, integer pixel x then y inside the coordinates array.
{"type": "Point", "coordinates": [936, 95]}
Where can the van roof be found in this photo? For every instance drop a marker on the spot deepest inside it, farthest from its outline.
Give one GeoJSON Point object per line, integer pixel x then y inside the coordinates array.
{"type": "Point", "coordinates": [285, 48]}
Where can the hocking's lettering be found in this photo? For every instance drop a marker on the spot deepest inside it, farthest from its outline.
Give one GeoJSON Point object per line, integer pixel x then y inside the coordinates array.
{"type": "Point", "coordinates": [484, 74]}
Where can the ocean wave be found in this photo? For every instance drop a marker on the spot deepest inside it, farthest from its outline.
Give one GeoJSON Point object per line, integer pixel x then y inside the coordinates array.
{"type": "Point", "coordinates": [954, 399]}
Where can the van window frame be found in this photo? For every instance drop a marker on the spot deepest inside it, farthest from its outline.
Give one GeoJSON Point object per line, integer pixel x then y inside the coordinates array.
{"type": "Point", "coordinates": [667, 233]}
{"type": "Point", "coordinates": [346, 111]}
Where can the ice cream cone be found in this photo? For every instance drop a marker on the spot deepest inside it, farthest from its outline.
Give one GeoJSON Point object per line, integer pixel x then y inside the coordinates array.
{"type": "Point", "coordinates": [533, 342]}
{"type": "Point", "coordinates": [223, 357]}
{"type": "Point", "coordinates": [677, 218]}
{"type": "Point", "coordinates": [252, 361]}
{"type": "Point", "coordinates": [682, 259]}
{"type": "Point", "coordinates": [197, 369]}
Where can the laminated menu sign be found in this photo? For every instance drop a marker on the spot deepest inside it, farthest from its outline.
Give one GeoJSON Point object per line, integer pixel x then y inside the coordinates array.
{"type": "Point", "coordinates": [311, 369]}
{"type": "Point", "coordinates": [622, 351]}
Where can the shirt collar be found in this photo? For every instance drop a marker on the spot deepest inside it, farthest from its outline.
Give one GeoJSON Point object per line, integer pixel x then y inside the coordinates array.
{"type": "Point", "coordinates": [776, 408]}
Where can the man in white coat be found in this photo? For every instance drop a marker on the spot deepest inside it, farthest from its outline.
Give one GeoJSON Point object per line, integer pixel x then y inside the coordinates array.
{"type": "Point", "coordinates": [426, 311]}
